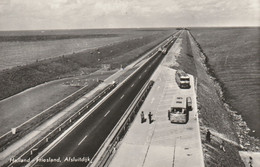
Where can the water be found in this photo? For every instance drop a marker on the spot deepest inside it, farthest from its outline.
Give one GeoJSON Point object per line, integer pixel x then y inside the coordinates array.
{"type": "Point", "coordinates": [24, 47]}
{"type": "Point", "coordinates": [234, 54]}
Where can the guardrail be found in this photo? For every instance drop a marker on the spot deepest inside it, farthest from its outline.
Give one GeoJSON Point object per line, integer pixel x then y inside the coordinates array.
{"type": "Point", "coordinates": [40, 145]}
{"type": "Point", "coordinates": [122, 129]}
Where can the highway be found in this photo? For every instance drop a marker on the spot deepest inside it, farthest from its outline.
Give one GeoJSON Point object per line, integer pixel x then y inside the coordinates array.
{"type": "Point", "coordinates": [87, 137]}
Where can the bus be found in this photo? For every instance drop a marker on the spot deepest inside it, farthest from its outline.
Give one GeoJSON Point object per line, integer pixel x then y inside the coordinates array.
{"type": "Point", "coordinates": [179, 111]}
{"type": "Point", "coordinates": [182, 79]}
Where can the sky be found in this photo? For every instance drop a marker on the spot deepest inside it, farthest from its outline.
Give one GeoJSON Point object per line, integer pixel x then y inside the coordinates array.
{"type": "Point", "coordinates": [83, 14]}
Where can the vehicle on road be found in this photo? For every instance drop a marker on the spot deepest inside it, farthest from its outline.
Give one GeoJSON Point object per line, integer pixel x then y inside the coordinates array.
{"type": "Point", "coordinates": [179, 110]}
{"type": "Point", "coordinates": [164, 51]}
{"type": "Point", "coordinates": [182, 79]}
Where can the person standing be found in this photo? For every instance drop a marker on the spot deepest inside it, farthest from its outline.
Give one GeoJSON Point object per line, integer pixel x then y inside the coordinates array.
{"type": "Point", "coordinates": [150, 117]}
{"type": "Point", "coordinates": [142, 117]}
{"type": "Point", "coordinates": [208, 136]}
{"type": "Point", "coordinates": [250, 161]}
{"type": "Point", "coordinates": [222, 147]}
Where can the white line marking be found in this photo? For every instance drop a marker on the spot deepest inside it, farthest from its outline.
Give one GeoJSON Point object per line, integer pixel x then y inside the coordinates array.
{"type": "Point", "coordinates": [140, 76]}
{"type": "Point", "coordinates": [82, 140]}
{"type": "Point", "coordinates": [107, 113]}
{"type": "Point", "coordinates": [132, 85]}
{"type": "Point", "coordinates": [122, 97]}
{"type": "Point", "coordinates": [145, 70]}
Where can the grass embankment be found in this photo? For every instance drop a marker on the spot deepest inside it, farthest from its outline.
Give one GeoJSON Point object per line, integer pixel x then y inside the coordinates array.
{"type": "Point", "coordinates": [20, 78]}
{"type": "Point", "coordinates": [212, 112]}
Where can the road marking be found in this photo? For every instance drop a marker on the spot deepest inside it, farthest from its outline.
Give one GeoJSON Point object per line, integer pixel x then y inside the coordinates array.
{"type": "Point", "coordinates": [132, 85]}
{"type": "Point", "coordinates": [82, 140]}
{"type": "Point", "coordinates": [145, 70]}
{"type": "Point", "coordinates": [107, 113]}
{"type": "Point", "coordinates": [140, 76]}
{"type": "Point", "coordinates": [122, 97]}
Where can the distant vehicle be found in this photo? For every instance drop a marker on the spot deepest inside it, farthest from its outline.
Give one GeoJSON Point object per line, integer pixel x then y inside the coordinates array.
{"type": "Point", "coordinates": [179, 111]}
{"type": "Point", "coordinates": [182, 79]}
{"type": "Point", "coordinates": [182, 28]}
{"type": "Point", "coordinates": [163, 50]}
{"type": "Point", "coordinates": [160, 49]}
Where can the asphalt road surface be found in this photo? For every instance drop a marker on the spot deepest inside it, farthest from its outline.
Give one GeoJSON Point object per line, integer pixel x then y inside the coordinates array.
{"type": "Point", "coordinates": [87, 137]}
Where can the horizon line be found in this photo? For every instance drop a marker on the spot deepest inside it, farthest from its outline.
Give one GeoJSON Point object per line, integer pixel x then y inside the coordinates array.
{"type": "Point", "coordinates": [240, 26]}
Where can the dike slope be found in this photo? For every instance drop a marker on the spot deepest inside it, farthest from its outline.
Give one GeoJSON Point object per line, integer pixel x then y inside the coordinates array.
{"type": "Point", "coordinates": [213, 113]}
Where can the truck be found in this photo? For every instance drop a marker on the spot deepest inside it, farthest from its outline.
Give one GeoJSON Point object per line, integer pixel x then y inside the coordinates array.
{"type": "Point", "coordinates": [182, 79]}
